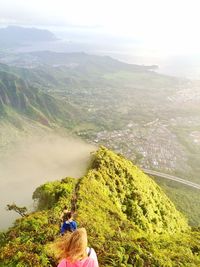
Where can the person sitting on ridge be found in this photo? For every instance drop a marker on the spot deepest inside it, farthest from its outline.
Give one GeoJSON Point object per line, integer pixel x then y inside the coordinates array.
{"type": "Point", "coordinates": [68, 223]}
{"type": "Point", "coordinates": [74, 251]}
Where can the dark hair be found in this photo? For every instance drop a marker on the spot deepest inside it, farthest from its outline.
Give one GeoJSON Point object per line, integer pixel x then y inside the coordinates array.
{"type": "Point", "coordinates": [67, 216]}
{"type": "Point", "coordinates": [65, 207]}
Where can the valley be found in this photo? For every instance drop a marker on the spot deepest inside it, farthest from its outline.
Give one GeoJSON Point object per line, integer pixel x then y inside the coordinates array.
{"type": "Point", "coordinates": [150, 118]}
{"type": "Point", "coordinates": [99, 133]}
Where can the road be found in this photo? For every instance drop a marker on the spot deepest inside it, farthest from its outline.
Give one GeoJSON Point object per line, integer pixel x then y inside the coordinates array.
{"type": "Point", "coordinates": [170, 177]}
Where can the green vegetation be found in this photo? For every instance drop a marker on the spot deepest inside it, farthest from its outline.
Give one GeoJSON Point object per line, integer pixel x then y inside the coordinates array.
{"type": "Point", "coordinates": [24, 243]}
{"type": "Point", "coordinates": [88, 94]}
{"type": "Point", "coordinates": [187, 200]}
{"type": "Point", "coordinates": [20, 210]}
{"type": "Point", "coordinates": [103, 92]}
{"type": "Point", "coordinates": [18, 96]}
{"type": "Point", "coordinates": [129, 220]}
{"type": "Point", "coordinates": [183, 133]}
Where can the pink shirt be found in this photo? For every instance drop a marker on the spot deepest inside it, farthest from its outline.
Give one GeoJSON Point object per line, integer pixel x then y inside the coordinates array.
{"type": "Point", "coordinates": [90, 261]}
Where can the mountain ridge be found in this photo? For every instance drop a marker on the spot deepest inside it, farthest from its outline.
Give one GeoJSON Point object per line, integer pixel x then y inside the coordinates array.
{"type": "Point", "coordinates": [18, 95]}
{"type": "Point", "coordinates": [17, 35]}
{"type": "Point", "coordinates": [135, 192]}
{"type": "Point", "coordinates": [102, 199]}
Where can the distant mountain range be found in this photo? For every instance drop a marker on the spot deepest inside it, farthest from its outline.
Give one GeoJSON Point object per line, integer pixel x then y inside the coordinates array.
{"type": "Point", "coordinates": [74, 60]}
{"type": "Point", "coordinates": [29, 79]}
{"type": "Point", "coordinates": [15, 35]}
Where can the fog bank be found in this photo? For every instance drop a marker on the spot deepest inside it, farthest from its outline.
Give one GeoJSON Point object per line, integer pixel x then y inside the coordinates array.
{"type": "Point", "coordinates": [34, 161]}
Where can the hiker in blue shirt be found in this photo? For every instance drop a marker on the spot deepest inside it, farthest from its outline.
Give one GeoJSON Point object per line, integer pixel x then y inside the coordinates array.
{"type": "Point", "coordinates": [69, 225]}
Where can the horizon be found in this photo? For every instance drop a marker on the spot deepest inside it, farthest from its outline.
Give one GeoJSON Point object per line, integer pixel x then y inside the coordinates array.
{"type": "Point", "coordinates": [145, 33]}
{"type": "Point", "coordinates": [159, 27]}
{"type": "Point", "coordinates": [74, 40]}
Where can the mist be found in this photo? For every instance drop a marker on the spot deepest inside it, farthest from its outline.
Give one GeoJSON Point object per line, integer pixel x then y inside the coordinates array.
{"type": "Point", "coordinates": [34, 161]}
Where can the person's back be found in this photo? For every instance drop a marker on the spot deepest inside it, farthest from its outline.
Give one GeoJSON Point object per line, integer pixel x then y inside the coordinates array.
{"type": "Point", "coordinates": [74, 251]}
{"type": "Point", "coordinates": [68, 224]}
{"type": "Point", "coordinates": [89, 261]}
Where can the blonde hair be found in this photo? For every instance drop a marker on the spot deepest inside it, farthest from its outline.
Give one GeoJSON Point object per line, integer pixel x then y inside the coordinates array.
{"type": "Point", "coordinates": [73, 246]}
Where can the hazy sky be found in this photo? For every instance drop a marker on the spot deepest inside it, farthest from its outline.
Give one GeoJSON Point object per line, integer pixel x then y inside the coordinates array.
{"type": "Point", "coordinates": [168, 26]}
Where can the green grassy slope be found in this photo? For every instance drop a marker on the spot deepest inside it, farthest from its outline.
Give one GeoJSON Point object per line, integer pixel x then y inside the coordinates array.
{"type": "Point", "coordinates": [17, 95]}
{"type": "Point", "coordinates": [131, 192]}
{"type": "Point", "coordinates": [187, 200]}
{"type": "Point", "coordinates": [130, 221]}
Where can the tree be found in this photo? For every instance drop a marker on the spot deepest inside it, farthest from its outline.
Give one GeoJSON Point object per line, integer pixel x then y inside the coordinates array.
{"type": "Point", "coordinates": [20, 210]}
